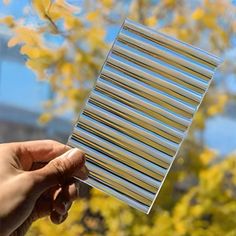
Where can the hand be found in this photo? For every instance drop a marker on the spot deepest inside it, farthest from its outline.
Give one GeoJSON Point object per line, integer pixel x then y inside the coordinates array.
{"type": "Point", "coordinates": [35, 181]}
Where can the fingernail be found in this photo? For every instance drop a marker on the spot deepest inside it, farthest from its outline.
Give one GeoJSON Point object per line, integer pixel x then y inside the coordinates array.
{"type": "Point", "coordinates": [74, 152]}
{"type": "Point", "coordinates": [84, 170]}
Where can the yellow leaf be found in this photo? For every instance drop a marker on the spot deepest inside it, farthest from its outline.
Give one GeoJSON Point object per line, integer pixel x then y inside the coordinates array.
{"type": "Point", "coordinates": [8, 20]}
{"type": "Point", "coordinates": [107, 3]}
{"type": "Point", "coordinates": [67, 68]}
{"type": "Point", "coordinates": [36, 67]}
{"type": "Point", "coordinates": [25, 35]}
{"type": "Point", "coordinates": [198, 14]}
{"type": "Point", "coordinates": [44, 118]}
{"type": "Point", "coordinates": [212, 110]}
{"type": "Point", "coordinates": [200, 120]}
{"type": "Point", "coordinates": [67, 82]}
{"type": "Point", "coordinates": [170, 2]}
{"type": "Point", "coordinates": [207, 156]}
{"type": "Point", "coordinates": [58, 10]}
{"type": "Point", "coordinates": [12, 42]}
{"type": "Point", "coordinates": [71, 23]}
{"type": "Point", "coordinates": [92, 16]}
{"type": "Point", "coordinates": [68, 7]}
{"type": "Point", "coordinates": [209, 21]}
{"type": "Point", "coordinates": [218, 106]}
{"type": "Point", "coordinates": [151, 21]}
{"type": "Point", "coordinates": [180, 228]}
{"type": "Point", "coordinates": [41, 7]}
{"type": "Point", "coordinates": [32, 52]}
{"type": "Point", "coordinates": [96, 36]}
{"type": "Point", "coordinates": [73, 94]}
{"type": "Point", "coordinates": [78, 57]}
{"type": "Point", "coordinates": [224, 36]}
{"type": "Point", "coordinates": [183, 34]}
{"type": "Point", "coordinates": [223, 98]}
{"type": "Point", "coordinates": [180, 20]}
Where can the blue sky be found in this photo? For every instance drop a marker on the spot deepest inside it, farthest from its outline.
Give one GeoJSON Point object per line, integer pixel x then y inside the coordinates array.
{"type": "Point", "coordinates": [18, 83]}
{"type": "Point", "coordinates": [19, 87]}
{"type": "Point", "coordinates": [13, 9]}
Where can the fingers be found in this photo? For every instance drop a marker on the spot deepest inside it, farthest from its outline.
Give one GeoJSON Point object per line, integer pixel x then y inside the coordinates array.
{"type": "Point", "coordinates": [64, 198]}
{"type": "Point", "coordinates": [57, 218]}
{"type": "Point", "coordinates": [56, 202]}
{"type": "Point", "coordinates": [44, 204]}
{"type": "Point", "coordinates": [62, 202]}
{"type": "Point", "coordinates": [38, 151]}
{"type": "Point", "coordinates": [81, 173]}
{"type": "Point", "coordinates": [60, 169]}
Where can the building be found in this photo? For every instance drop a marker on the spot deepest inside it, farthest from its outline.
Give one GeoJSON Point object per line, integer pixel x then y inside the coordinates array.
{"type": "Point", "coordinates": [18, 124]}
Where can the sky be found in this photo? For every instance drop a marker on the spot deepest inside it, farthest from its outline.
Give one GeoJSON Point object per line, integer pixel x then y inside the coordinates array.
{"type": "Point", "coordinates": [18, 87]}
{"type": "Point", "coordinates": [13, 9]}
{"type": "Point", "coordinates": [18, 79]}
{"type": "Point", "coordinates": [18, 83]}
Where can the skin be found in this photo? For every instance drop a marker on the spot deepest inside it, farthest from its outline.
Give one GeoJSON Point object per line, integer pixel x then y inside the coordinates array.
{"type": "Point", "coordinates": [36, 181]}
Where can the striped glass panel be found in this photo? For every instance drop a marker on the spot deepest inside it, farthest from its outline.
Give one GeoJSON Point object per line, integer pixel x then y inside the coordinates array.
{"type": "Point", "coordinates": [137, 116]}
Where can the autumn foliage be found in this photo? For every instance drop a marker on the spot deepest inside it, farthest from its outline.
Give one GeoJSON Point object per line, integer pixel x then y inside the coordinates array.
{"type": "Point", "coordinates": [65, 44]}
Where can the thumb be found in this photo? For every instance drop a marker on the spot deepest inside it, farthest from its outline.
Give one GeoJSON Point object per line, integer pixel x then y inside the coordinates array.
{"type": "Point", "coordinates": [60, 169]}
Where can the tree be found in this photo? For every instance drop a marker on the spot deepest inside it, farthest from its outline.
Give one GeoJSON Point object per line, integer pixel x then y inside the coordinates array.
{"type": "Point", "coordinates": [199, 195]}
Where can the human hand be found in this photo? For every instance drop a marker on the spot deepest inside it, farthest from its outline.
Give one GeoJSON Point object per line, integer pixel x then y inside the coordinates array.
{"type": "Point", "coordinates": [36, 181]}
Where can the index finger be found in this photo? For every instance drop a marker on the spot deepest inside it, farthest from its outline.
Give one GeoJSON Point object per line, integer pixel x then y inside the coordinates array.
{"type": "Point", "coordinates": [38, 151]}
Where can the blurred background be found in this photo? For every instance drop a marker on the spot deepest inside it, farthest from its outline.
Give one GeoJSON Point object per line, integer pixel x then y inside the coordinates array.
{"type": "Point", "coordinates": [50, 54]}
